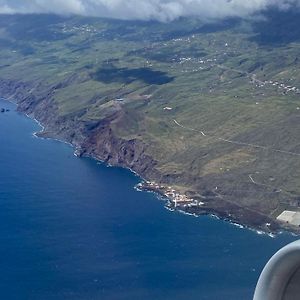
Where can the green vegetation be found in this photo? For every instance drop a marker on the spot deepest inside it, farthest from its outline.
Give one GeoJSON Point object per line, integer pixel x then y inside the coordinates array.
{"type": "Point", "coordinates": [233, 90]}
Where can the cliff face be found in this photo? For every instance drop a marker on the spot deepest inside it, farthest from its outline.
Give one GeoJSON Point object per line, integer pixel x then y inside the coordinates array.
{"type": "Point", "coordinates": [102, 144]}
{"type": "Point", "coordinates": [90, 139]}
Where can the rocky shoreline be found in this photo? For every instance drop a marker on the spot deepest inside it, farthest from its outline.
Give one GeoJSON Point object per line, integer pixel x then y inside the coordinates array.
{"type": "Point", "coordinates": [174, 201]}
{"type": "Point", "coordinates": [97, 140]}
{"type": "Point", "coordinates": [197, 206]}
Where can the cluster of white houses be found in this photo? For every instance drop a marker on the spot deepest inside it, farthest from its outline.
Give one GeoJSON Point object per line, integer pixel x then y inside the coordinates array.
{"type": "Point", "coordinates": [177, 199]}
{"type": "Point", "coordinates": [282, 86]}
{"type": "Point", "coordinates": [83, 28]}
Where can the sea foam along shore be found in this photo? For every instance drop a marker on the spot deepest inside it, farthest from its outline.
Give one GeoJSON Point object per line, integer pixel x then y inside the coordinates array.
{"type": "Point", "coordinates": [181, 203]}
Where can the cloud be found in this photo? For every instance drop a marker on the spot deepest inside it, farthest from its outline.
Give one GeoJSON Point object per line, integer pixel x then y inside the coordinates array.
{"type": "Point", "coordinates": [163, 10]}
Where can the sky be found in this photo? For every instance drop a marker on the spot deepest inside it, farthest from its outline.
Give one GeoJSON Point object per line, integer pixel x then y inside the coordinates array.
{"type": "Point", "coordinates": [162, 10]}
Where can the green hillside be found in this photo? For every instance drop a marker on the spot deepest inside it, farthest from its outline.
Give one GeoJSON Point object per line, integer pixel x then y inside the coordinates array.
{"type": "Point", "coordinates": [217, 105]}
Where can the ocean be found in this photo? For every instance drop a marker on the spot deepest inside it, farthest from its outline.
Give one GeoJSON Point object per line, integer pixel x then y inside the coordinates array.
{"type": "Point", "coordinates": [73, 228]}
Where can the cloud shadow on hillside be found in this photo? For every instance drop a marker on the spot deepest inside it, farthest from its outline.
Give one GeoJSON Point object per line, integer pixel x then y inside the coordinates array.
{"type": "Point", "coordinates": [111, 74]}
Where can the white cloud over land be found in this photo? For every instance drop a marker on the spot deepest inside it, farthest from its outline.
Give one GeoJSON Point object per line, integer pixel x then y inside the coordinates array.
{"type": "Point", "coordinates": [163, 10]}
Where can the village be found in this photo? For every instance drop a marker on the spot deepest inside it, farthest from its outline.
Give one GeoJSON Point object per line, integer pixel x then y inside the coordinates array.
{"type": "Point", "coordinates": [190, 64]}
{"type": "Point", "coordinates": [82, 28]}
{"type": "Point", "coordinates": [193, 64]}
{"type": "Point", "coordinates": [176, 199]}
{"type": "Point", "coordinates": [211, 62]}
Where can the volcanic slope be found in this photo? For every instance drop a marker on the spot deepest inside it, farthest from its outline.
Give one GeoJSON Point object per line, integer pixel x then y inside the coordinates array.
{"type": "Point", "coordinates": [211, 110]}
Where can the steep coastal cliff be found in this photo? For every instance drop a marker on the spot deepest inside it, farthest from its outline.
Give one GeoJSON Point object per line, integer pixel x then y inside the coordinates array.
{"type": "Point", "coordinates": [98, 140]}
{"type": "Point", "coordinates": [208, 116]}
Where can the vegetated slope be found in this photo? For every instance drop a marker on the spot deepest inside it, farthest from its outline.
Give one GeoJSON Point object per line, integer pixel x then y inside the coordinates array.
{"type": "Point", "coordinates": [212, 110]}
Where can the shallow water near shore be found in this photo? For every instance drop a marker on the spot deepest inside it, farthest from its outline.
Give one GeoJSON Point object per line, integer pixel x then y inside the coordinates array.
{"type": "Point", "coordinates": [72, 228]}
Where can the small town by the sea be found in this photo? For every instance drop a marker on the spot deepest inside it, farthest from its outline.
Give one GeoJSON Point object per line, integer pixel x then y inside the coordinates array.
{"type": "Point", "coordinates": [199, 205]}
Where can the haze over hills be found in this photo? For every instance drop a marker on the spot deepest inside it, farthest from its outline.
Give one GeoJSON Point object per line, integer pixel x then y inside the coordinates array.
{"type": "Point", "coordinates": [210, 109]}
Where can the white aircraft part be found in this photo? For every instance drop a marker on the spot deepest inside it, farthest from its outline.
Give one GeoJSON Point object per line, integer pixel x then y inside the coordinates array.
{"type": "Point", "coordinates": [280, 279]}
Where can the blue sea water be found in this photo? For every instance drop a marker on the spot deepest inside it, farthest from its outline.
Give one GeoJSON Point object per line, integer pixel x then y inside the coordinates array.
{"type": "Point", "coordinates": [72, 228]}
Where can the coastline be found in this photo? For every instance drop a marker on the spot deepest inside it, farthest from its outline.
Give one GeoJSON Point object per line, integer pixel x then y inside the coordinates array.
{"type": "Point", "coordinates": [81, 149]}
{"type": "Point", "coordinates": [191, 203]}
{"type": "Point", "coordinates": [128, 214]}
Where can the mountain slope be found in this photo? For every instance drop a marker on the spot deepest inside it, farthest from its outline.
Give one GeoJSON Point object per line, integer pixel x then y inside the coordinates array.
{"type": "Point", "coordinates": [211, 110]}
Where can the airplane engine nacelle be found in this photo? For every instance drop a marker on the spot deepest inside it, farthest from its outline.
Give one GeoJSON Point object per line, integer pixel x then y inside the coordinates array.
{"type": "Point", "coordinates": [280, 279]}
